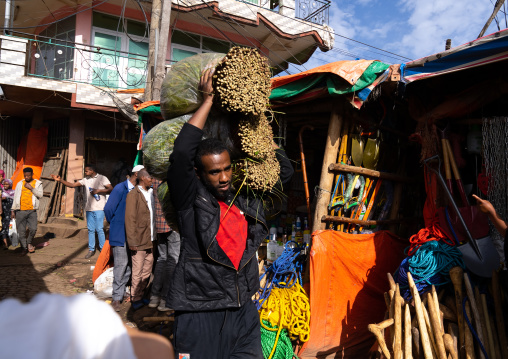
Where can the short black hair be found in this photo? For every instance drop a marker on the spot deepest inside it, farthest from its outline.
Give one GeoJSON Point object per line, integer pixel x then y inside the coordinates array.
{"type": "Point", "coordinates": [210, 146]}
{"type": "Point", "coordinates": [28, 169]}
{"type": "Point", "coordinates": [92, 167]}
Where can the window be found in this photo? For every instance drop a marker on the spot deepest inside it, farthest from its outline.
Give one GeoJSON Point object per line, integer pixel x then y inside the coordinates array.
{"type": "Point", "coordinates": [119, 58]}
{"type": "Point", "coordinates": [54, 53]}
{"type": "Point", "coordinates": [185, 44]}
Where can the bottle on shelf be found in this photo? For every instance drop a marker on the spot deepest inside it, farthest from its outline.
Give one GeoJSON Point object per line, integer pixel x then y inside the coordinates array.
{"type": "Point", "coordinates": [298, 231]}
{"type": "Point", "coordinates": [271, 251]}
{"type": "Point", "coordinates": [306, 231]}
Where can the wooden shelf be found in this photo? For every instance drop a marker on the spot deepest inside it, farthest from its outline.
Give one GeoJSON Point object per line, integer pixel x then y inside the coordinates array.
{"type": "Point", "coordinates": [360, 222]}
{"type": "Point", "coordinates": [339, 167]}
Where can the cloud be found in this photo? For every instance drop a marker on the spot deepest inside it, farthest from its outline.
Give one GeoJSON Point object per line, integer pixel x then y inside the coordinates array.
{"type": "Point", "coordinates": [431, 22]}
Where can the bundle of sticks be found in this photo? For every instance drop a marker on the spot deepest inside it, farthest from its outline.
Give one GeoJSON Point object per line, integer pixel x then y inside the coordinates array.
{"type": "Point", "coordinates": [434, 326]}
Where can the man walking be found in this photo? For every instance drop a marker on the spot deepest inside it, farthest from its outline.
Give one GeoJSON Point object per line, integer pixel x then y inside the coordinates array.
{"type": "Point", "coordinates": [25, 204]}
{"type": "Point", "coordinates": [139, 231]}
{"type": "Point", "coordinates": [217, 272]}
{"type": "Point", "coordinates": [97, 187]}
{"type": "Point", "coordinates": [115, 215]}
{"type": "Point", "coordinates": [168, 246]}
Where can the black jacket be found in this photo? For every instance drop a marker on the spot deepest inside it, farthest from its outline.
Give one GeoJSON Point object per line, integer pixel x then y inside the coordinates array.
{"type": "Point", "coordinates": [205, 278]}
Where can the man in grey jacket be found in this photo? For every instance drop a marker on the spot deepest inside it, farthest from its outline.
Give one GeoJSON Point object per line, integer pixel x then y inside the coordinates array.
{"type": "Point", "coordinates": [25, 205]}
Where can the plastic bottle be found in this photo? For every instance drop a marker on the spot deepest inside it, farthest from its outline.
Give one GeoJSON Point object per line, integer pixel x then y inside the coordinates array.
{"type": "Point", "coordinates": [96, 196]}
{"type": "Point", "coordinates": [306, 231]}
{"type": "Point", "coordinates": [298, 231]}
{"type": "Point", "coordinates": [293, 231]}
{"type": "Point", "coordinates": [273, 232]}
{"type": "Point", "coordinates": [271, 251]}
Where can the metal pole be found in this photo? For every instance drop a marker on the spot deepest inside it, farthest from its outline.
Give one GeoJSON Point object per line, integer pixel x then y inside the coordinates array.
{"type": "Point", "coordinates": [7, 22]}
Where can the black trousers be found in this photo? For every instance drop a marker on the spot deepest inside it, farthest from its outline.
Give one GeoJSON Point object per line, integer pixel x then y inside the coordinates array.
{"type": "Point", "coordinates": [219, 334]}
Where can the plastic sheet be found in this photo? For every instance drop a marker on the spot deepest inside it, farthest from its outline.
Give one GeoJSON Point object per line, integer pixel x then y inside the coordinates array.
{"type": "Point", "coordinates": [347, 282]}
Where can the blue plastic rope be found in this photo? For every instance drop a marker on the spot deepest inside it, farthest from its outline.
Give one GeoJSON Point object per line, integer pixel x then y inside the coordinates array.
{"type": "Point", "coordinates": [284, 272]}
{"type": "Point", "coordinates": [472, 329]}
{"type": "Point", "coordinates": [428, 266]}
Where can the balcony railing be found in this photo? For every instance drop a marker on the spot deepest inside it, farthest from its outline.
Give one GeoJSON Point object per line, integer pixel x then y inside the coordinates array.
{"type": "Point", "coordinates": [63, 60]}
{"type": "Point", "coordinates": [315, 11]}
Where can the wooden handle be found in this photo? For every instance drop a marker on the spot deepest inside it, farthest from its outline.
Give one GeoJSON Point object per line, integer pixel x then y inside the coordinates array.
{"type": "Point", "coordinates": [435, 320]}
{"type": "Point", "coordinates": [468, 336]}
{"type": "Point", "coordinates": [457, 275]}
{"type": "Point", "coordinates": [490, 327]}
{"type": "Point", "coordinates": [476, 314]}
{"type": "Point", "coordinates": [451, 158]}
{"type": "Point", "coordinates": [450, 348]}
{"type": "Point", "coordinates": [446, 160]}
{"type": "Point", "coordinates": [499, 315]}
{"type": "Point", "coordinates": [407, 333]}
{"type": "Point", "coordinates": [397, 327]}
{"type": "Point", "coordinates": [424, 335]}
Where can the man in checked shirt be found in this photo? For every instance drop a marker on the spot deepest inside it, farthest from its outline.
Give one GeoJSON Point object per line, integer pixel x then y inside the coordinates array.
{"type": "Point", "coordinates": [168, 245]}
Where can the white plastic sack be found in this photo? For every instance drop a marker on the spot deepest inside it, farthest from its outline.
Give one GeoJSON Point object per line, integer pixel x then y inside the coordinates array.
{"type": "Point", "coordinates": [13, 233]}
{"type": "Point", "coordinates": [103, 286]}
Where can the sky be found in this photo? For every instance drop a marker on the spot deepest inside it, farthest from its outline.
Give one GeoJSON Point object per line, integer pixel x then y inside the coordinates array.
{"type": "Point", "coordinates": [410, 28]}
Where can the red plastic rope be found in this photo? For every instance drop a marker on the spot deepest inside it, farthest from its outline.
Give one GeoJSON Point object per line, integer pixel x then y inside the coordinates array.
{"type": "Point", "coordinates": [434, 233]}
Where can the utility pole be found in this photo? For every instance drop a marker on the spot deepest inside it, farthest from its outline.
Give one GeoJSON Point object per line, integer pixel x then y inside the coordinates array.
{"type": "Point", "coordinates": [153, 43]}
{"type": "Point", "coordinates": [498, 6]}
{"type": "Point", "coordinates": [160, 64]}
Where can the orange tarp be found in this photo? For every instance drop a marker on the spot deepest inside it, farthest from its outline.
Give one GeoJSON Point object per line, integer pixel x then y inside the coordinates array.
{"type": "Point", "coordinates": [31, 152]}
{"type": "Point", "coordinates": [347, 282]}
{"type": "Point", "coordinates": [350, 71]}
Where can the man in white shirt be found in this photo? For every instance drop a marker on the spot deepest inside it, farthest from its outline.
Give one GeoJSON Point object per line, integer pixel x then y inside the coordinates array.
{"type": "Point", "coordinates": [97, 187]}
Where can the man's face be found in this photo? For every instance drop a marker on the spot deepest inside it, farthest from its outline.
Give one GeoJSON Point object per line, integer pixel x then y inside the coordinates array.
{"type": "Point", "coordinates": [146, 181]}
{"type": "Point", "coordinates": [89, 172]}
{"type": "Point", "coordinates": [216, 174]}
{"type": "Point", "coordinates": [28, 176]}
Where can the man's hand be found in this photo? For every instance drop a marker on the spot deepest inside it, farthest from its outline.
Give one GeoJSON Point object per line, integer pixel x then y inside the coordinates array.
{"type": "Point", "coordinates": [13, 215]}
{"type": "Point", "coordinates": [28, 186]}
{"type": "Point", "coordinates": [484, 205]}
{"type": "Point", "coordinates": [56, 178]}
{"type": "Point", "coordinates": [133, 249]}
{"type": "Point", "coordinates": [95, 191]}
{"type": "Point", "coordinates": [205, 85]}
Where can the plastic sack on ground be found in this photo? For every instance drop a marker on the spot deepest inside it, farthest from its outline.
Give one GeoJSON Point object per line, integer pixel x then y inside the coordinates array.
{"type": "Point", "coordinates": [158, 145]}
{"type": "Point", "coordinates": [179, 91]}
{"type": "Point", "coordinates": [13, 233]}
{"type": "Point", "coordinates": [347, 282]}
{"type": "Point", "coordinates": [103, 286]}
{"type": "Point", "coordinates": [170, 213]}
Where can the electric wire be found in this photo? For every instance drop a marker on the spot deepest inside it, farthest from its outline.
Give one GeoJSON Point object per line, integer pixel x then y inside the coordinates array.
{"type": "Point", "coordinates": [235, 29]}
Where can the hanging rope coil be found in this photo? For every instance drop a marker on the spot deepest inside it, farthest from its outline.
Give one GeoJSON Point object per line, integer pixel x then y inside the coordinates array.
{"type": "Point", "coordinates": [284, 308]}
{"type": "Point", "coordinates": [429, 266]}
{"type": "Point", "coordinates": [432, 233]}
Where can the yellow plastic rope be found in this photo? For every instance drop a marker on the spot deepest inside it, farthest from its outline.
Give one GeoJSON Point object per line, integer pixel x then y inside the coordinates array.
{"type": "Point", "coordinates": [287, 308]}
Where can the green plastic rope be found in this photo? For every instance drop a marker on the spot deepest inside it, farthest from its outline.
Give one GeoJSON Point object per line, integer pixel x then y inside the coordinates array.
{"type": "Point", "coordinates": [284, 348]}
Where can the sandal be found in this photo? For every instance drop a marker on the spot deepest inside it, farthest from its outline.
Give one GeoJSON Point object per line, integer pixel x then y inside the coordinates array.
{"type": "Point", "coordinates": [31, 248]}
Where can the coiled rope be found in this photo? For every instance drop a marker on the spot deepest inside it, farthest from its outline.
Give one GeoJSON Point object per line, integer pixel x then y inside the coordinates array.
{"type": "Point", "coordinates": [284, 348]}
{"type": "Point", "coordinates": [429, 265]}
{"type": "Point", "coordinates": [284, 309]}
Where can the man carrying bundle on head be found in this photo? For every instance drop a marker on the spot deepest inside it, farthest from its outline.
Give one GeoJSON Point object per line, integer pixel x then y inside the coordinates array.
{"type": "Point", "coordinates": [217, 273]}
